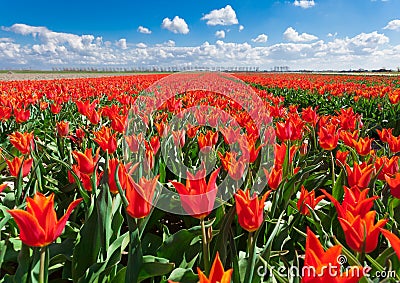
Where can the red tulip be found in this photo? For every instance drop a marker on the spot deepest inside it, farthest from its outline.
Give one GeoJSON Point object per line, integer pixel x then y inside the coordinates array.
{"type": "Point", "coordinates": [361, 232]}
{"type": "Point", "coordinates": [62, 128]}
{"type": "Point", "coordinates": [310, 115]}
{"type": "Point", "coordinates": [328, 136]}
{"type": "Point", "coordinates": [118, 123]}
{"type": "Point", "coordinates": [38, 225]}
{"type": "Point", "coordinates": [21, 115]}
{"type": "Point", "coordinates": [106, 139]}
{"type": "Point", "coordinates": [86, 162]}
{"type": "Point", "coordinates": [217, 273]}
{"type": "Point", "coordinates": [307, 200]}
{"type": "Point", "coordinates": [179, 138]}
{"type": "Point", "coordinates": [355, 202]}
{"type": "Point", "coordinates": [348, 137]}
{"type": "Point", "coordinates": [250, 210]}
{"type": "Point", "coordinates": [140, 196]}
{"type": "Point", "coordinates": [393, 240]}
{"type": "Point", "coordinates": [5, 113]}
{"type": "Point", "coordinates": [134, 142]}
{"type": "Point", "coordinates": [55, 108]}
{"type": "Point", "coordinates": [386, 166]}
{"type": "Point", "coordinates": [230, 135]}
{"type": "Point", "coordinates": [198, 197]}
{"type": "Point", "coordinates": [323, 266]}
{"type": "Point", "coordinates": [122, 175]}
{"type": "Point", "coordinates": [360, 175]}
{"type": "Point", "coordinates": [274, 178]}
{"type": "Point", "coordinates": [22, 141]}
{"type": "Point", "coordinates": [341, 157]}
{"type": "Point", "coordinates": [363, 146]}
{"type": "Point", "coordinates": [207, 141]}
{"type": "Point", "coordinates": [394, 184]}
{"type": "Point", "coordinates": [14, 166]}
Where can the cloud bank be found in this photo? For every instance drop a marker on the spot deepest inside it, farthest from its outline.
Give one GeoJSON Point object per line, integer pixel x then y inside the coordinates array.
{"type": "Point", "coordinates": [57, 49]}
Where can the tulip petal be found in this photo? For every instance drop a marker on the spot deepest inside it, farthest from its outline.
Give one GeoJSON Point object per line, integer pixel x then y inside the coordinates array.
{"type": "Point", "coordinates": [31, 233]}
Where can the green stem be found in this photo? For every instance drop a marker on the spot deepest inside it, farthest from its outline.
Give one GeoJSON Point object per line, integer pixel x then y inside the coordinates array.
{"type": "Point", "coordinates": [333, 170]}
{"type": "Point", "coordinates": [42, 264]}
{"type": "Point", "coordinates": [206, 252]}
{"type": "Point", "coordinates": [251, 242]}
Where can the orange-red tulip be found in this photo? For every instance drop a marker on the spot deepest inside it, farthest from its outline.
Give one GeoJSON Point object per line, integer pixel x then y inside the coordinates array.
{"type": "Point", "coordinates": [62, 128]}
{"type": "Point", "coordinates": [363, 146]}
{"type": "Point", "coordinates": [250, 210]}
{"type": "Point", "coordinates": [323, 266]}
{"type": "Point", "coordinates": [140, 196]}
{"type": "Point", "coordinates": [22, 141]}
{"type": "Point", "coordinates": [38, 225]}
{"type": "Point", "coordinates": [21, 115]}
{"type": "Point", "coordinates": [341, 157]}
{"type": "Point", "coordinates": [355, 201]}
{"type": "Point", "coordinates": [348, 137]}
{"type": "Point", "coordinates": [106, 140]}
{"type": "Point", "coordinates": [122, 175]}
{"type": "Point", "coordinates": [198, 197]}
{"type": "Point", "coordinates": [394, 184]}
{"type": "Point", "coordinates": [274, 178]}
{"type": "Point", "coordinates": [360, 175]}
{"type": "Point", "coordinates": [361, 232]}
{"type": "Point", "coordinates": [393, 240]}
{"type": "Point", "coordinates": [86, 162]}
{"type": "Point", "coordinates": [386, 166]}
{"type": "Point", "coordinates": [394, 144]}
{"type": "Point", "coordinates": [328, 136]}
{"type": "Point", "coordinates": [14, 166]}
{"type": "Point", "coordinates": [307, 200]}
{"type": "Point", "coordinates": [217, 273]}
{"type": "Point", "coordinates": [207, 141]}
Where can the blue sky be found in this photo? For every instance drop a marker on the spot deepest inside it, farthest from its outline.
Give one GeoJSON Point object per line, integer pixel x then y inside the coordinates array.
{"type": "Point", "coordinates": [301, 34]}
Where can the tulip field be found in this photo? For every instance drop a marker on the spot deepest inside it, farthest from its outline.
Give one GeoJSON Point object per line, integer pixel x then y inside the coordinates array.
{"type": "Point", "coordinates": [200, 177]}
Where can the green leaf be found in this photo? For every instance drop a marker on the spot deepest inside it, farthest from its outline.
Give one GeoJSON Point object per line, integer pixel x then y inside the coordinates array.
{"type": "Point", "coordinates": [337, 191]}
{"type": "Point", "coordinates": [87, 247]}
{"type": "Point", "coordinates": [183, 275]}
{"type": "Point", "coordinates": [154, 266]}
{"type": "Point", "coordinates": [184, 244]}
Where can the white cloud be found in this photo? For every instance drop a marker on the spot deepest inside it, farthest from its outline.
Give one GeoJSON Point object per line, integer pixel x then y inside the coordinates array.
{"type": "Point", "coordinates": [169, 43]}
{"type": "Point", "coordinates": [177, 25]}
{"type": "Point", "coordinates": [121, 43]}
{"type": "Point", "coordinates": [260, 38]}
{"type": "Point", "coordinates": [144, 30]}
{"type": "Point", "coordinates": [291, 34]}
{"type": "Point", "coordinates": [53, 49]}
{"type": "Point", "coordinates": [224, 17]}
{"type": "Point", "coordinates": [332, 34]}
{"type": "Point", "coordinates": [241, 27]}
{"type": "Point", "coordinates": [305, 4]}
{"type": "Point", "coordinates": [393, 25]}
{"type": "Point", "coordinates": [6, 39]}
{"type": "Point", "coordinates": [141, 45]}
{"type": "Point", "coordinates": [220, 34]}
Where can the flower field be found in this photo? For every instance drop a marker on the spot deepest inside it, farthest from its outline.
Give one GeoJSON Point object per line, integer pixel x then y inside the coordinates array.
{"type": "Point", "coordinates": [200, 177]}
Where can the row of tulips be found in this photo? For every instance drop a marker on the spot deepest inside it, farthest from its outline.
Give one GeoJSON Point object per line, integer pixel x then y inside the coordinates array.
{"type": "Point", "coordinates": [332, 188]}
